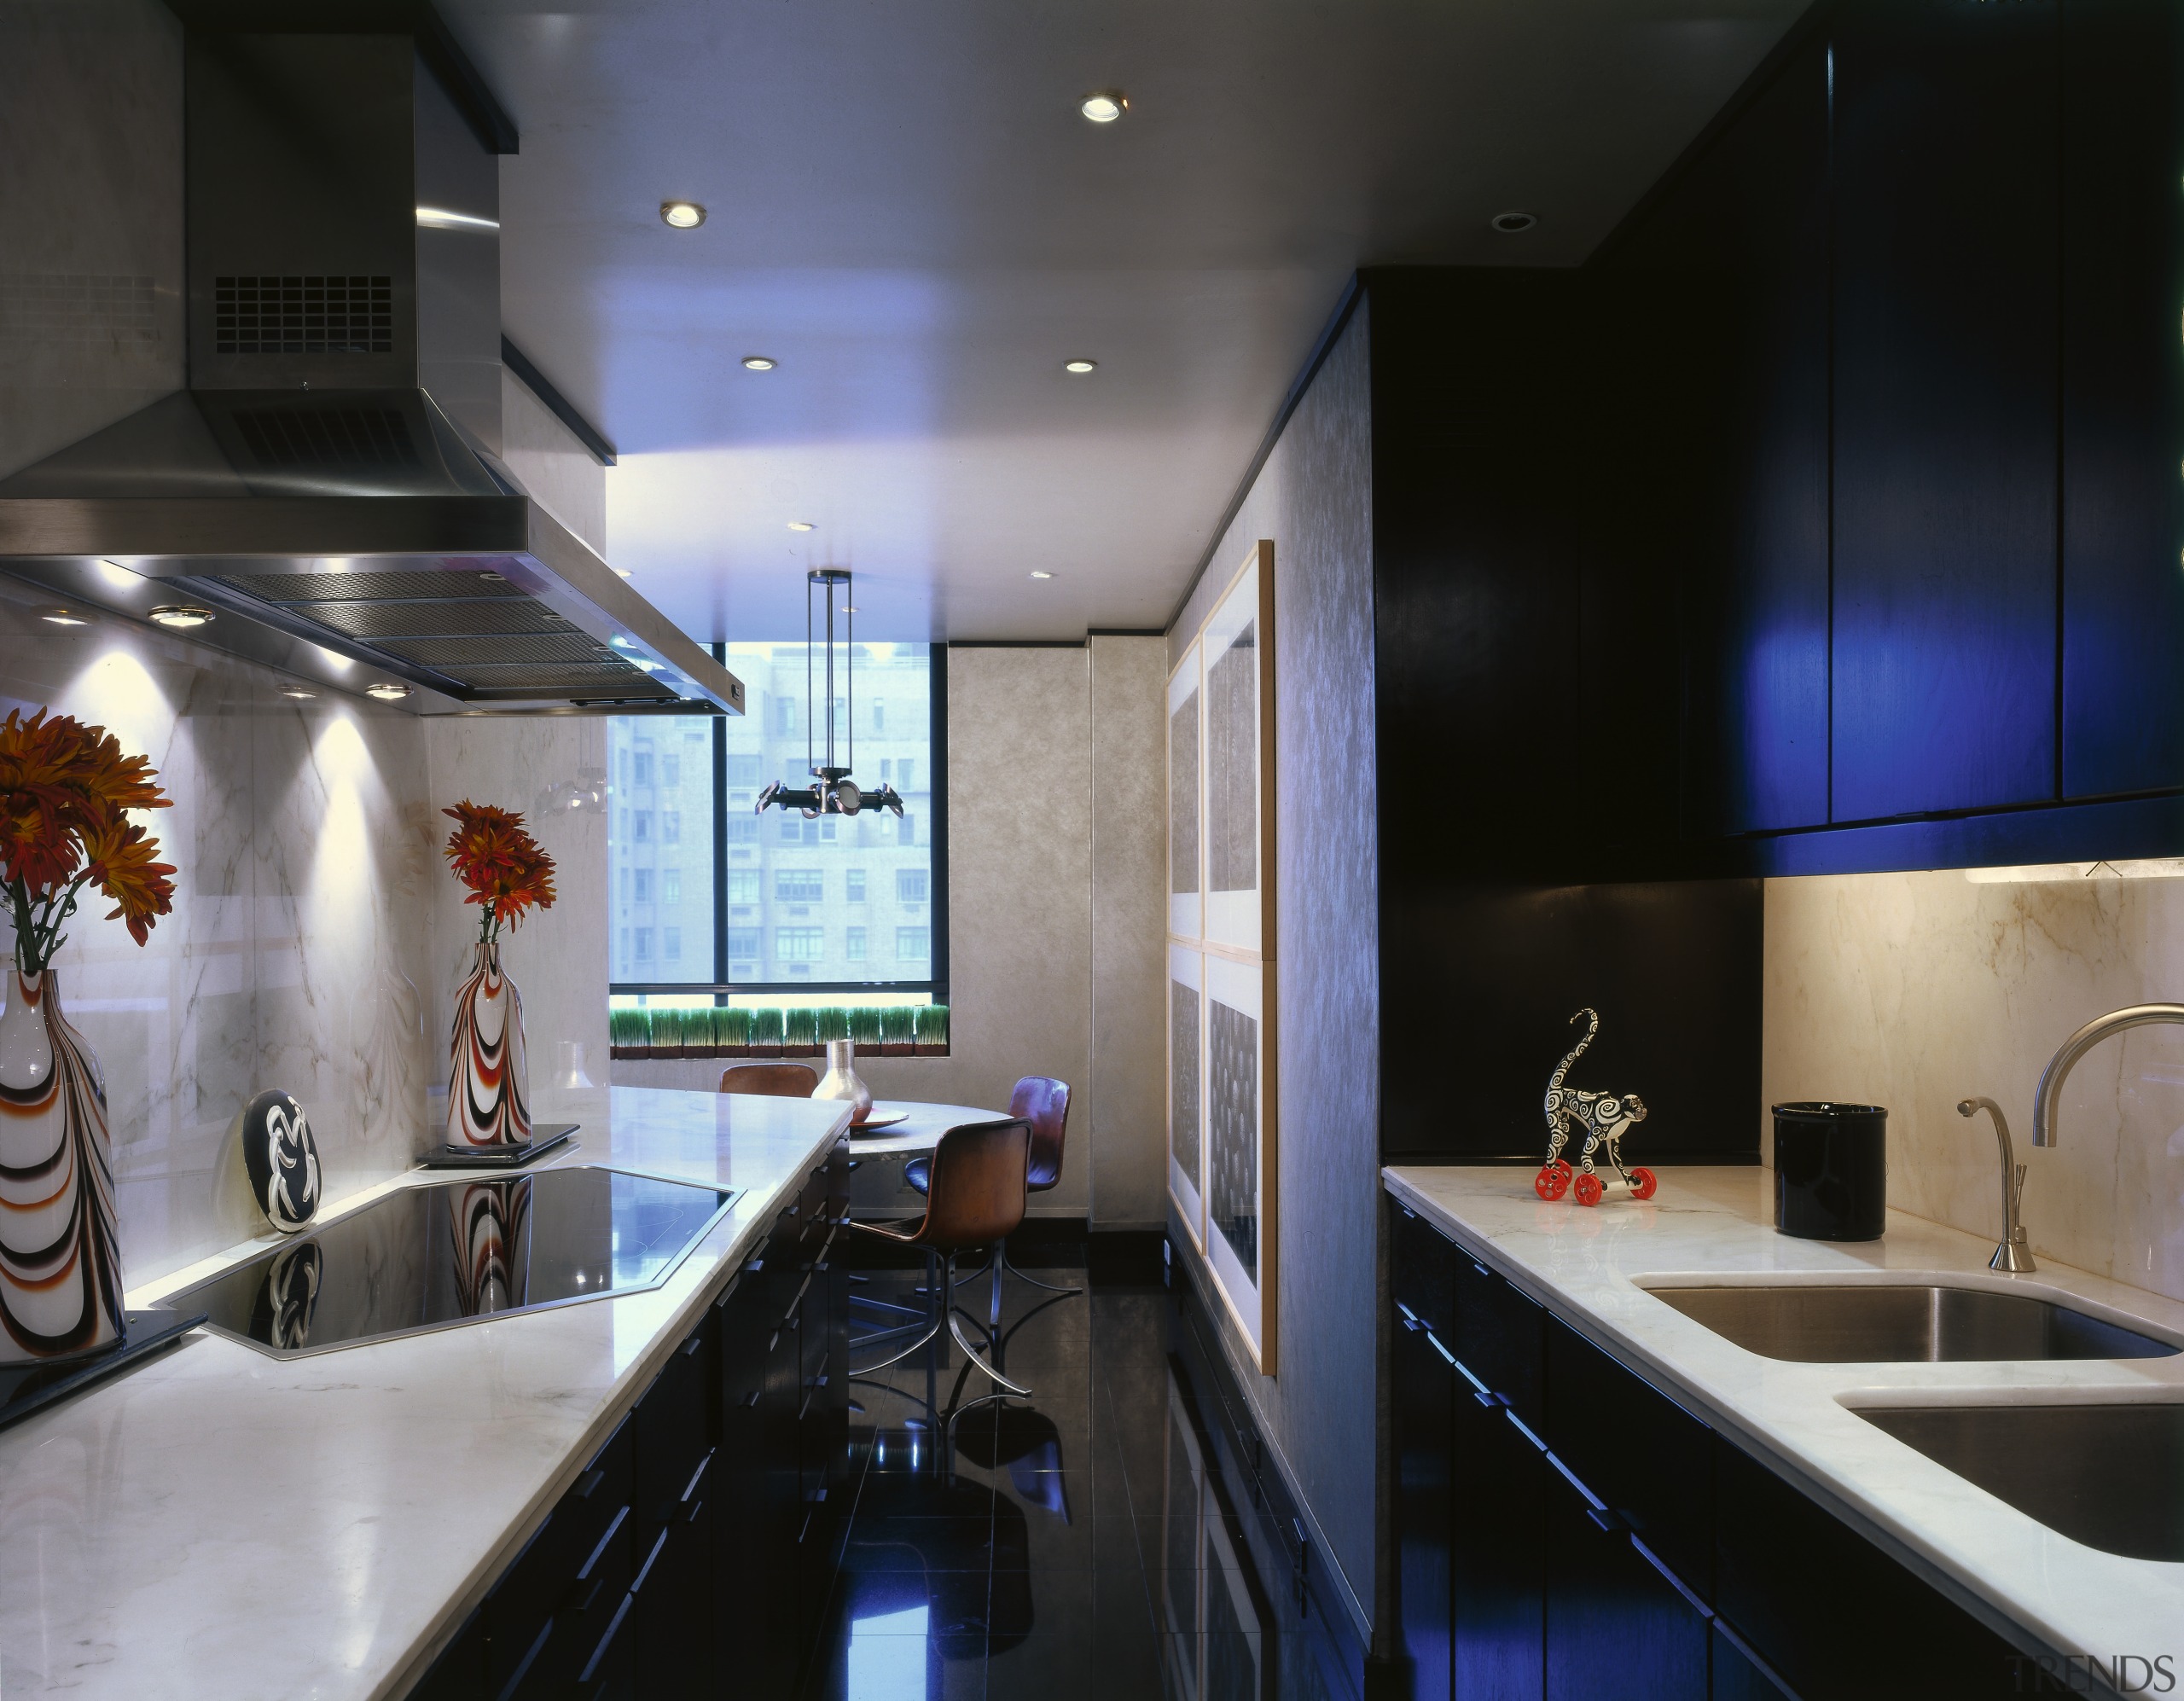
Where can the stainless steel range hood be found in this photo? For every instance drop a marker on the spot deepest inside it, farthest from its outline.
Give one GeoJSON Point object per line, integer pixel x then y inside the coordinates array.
{"type": "Point", "coordinates": [329, 485]}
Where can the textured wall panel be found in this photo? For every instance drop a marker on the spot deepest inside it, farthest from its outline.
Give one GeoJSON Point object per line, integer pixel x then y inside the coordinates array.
{"type": "Point", "coordinates": [1314, 499]}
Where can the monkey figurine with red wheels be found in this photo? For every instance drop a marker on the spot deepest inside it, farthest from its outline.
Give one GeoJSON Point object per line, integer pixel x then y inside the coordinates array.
{"type": "Point", "coordinates": [1604, 1116]}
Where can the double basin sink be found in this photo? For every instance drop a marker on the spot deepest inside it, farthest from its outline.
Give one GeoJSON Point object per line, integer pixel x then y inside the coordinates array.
{"type": "Point", "coordinates": [2109, 1475]}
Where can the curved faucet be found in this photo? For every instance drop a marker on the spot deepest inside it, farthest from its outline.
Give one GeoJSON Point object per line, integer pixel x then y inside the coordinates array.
{"type": "Point", "coordinates": [2079, 1043]}
{"type": "Point", "coordinates": [2012, 1252]}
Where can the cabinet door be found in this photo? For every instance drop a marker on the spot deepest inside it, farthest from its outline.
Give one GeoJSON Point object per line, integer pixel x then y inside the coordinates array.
{"type": "Point", "coordinates": [1648, 1460]}
{"type": "Point", "coordinates": [1498, 1490]}
{"type": "Point", "coordinates": [1945, 487]}
{"type": "Point", "coordinates": [1424, 1391]}
{"type": "Point", "coordinates": [1425, 1275]}
{"type": "Point", "coordinates": [1726, 279]}
{"type": "Point", "coordinates": [2122, 397]}
{"type": "Point", "coordinates": [1498, 1338]}
{"type": "Point", "coordinates": [1616, 1624]}
{"type": "Point", "coordinates": [1829, 1611]}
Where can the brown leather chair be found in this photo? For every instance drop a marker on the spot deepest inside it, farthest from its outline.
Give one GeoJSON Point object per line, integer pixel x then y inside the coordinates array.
{"type": "Point", "coordinates": [771, 1080]}
{"type": "Point", "coordinates": [1043, 1102]}
{"type": "Point", "coordinates": [973, 1196]}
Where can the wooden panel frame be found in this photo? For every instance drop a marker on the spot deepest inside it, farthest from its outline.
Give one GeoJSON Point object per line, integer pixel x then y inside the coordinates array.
{"type": "Point", "coordinates": [1253, 1306]}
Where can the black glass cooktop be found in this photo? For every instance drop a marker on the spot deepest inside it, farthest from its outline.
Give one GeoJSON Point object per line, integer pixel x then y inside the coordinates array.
{"type": "Point", "coordinates": [432, 1257]}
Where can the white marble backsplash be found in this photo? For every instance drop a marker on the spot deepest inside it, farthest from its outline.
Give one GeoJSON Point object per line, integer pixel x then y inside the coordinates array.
{"type": "Point", "coordinates": [315, 927]}
{"type": "Point", "coordinates": [1915, 990]}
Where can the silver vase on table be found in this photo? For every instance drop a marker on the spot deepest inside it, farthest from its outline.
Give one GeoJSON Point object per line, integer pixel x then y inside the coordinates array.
{"type": "Point", "coordinates": [840, 1080]}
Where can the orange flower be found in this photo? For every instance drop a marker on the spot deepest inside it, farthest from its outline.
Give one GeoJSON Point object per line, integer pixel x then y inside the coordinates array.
{"type": "Point", "coordinates": [507, 872]}
{"type": "Point", "coordinates": [64, 787]}
{"type": "Point", "coordinates": [121, 863]}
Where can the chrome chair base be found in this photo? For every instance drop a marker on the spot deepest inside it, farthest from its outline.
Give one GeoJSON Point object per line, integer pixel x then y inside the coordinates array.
{"type": "Point", "coordinates": [948, 1313]}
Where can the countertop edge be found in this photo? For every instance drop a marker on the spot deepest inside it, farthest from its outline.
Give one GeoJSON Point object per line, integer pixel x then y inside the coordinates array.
{"type": "Point", "coordinates": [755, 1218]}
{"type": "Point", "coordinates": [2028, 1632]}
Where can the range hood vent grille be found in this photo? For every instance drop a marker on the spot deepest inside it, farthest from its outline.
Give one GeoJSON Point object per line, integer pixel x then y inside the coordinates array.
{"type": "Point", "coordinates": [376, 622]}
{"type": "Point", "coordinates": [439, 587]}
{"type": "Point", "coordinates": [468, 654]}
{"type": "Point", "coordinates": [303, 315]}
{"type": "Point", "coordinates": [328, 439]}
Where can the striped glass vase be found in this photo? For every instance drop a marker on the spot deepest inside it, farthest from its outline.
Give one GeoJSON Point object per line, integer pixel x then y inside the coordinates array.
{"type": "Point", "coordinates": [488, 1085]}
{"type": "Point", "coordinates": [60, 1255]}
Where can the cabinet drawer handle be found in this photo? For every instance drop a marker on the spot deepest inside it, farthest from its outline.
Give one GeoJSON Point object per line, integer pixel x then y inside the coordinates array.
{"type": "Point", "coordinates": [590, 1566]}
{"type": "Point", "coordinates": [577, 1599]}
{"type": "Point", "coordinates": [588, 1484]}
{"type": "Point", "coordinates": [751, 1399]}
{"type": "Point", "coordinates": [644, 1571]}
{"type": "Point", "coordinates": [754, 1267]}
{"type": "Point", "coordinates": [1604, 1519]}
{"type": "Point", "coordinates": [690, 1348]}
{"type": "Point", "coordinates": [1675, 1582]}
{"type": "Point", "coordinates": [606, 1641]}
{"type": "Point", "coordinates": [687, 1514]}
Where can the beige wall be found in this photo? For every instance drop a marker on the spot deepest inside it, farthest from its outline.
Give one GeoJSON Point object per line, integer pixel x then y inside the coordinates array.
{"type": "Point", "coordinates": [1129, 920]}
{"type": "Point", "coordinates": [1915, 990]}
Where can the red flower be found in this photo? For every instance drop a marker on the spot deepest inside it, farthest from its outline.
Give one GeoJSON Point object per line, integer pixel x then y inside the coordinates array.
{"type": "Point", "coordinates": [502, 864]}
{"type": "Point", "coordinates": [64, 787]}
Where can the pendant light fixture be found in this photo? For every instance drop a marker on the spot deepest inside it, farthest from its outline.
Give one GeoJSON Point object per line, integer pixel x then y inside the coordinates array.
{"type": "Point", "coordinates": [832, 792]}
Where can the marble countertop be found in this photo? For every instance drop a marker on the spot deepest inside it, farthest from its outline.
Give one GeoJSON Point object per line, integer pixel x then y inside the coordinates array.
{"type": "Point", "coordinates": [1717, 1224]}
{"type": "Point", "coordinates": [219, 1523]}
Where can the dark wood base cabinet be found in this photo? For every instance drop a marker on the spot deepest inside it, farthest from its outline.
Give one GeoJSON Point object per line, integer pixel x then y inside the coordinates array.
{"type": "Point", "coordinates": [1566, 1531]}
{"type": "Point", "coordinates": [690, 1557]}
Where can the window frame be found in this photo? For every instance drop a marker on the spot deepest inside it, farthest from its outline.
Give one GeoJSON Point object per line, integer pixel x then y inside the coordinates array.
{"type": "Point", "coordinates": [933, 826]}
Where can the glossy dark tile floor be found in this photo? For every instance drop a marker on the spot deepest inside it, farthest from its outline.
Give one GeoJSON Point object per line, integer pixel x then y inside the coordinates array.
{"type": "Point", "coordinates": [1068, 1546]}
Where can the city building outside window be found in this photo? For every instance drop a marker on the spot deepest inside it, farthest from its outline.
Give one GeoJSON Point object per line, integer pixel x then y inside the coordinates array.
{"type": "Point", "coordinates": [812, 906]}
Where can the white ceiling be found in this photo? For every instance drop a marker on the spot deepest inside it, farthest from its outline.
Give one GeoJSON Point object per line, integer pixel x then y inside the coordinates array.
{"type": "Point", "coordinates": [907, 212]}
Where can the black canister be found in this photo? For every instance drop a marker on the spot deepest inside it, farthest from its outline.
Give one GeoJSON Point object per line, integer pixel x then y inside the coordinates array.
{"type": "Point", "coordinates": [1831, 1171]}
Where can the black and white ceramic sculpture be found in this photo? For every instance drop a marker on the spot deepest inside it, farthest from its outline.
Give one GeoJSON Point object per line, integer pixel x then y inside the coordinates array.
{"type": "Point", "coordinates": [281, 1158]}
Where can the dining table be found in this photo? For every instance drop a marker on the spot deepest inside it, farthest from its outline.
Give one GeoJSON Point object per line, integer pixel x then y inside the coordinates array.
{"type": "Point", "coordinates": [919, 1129]}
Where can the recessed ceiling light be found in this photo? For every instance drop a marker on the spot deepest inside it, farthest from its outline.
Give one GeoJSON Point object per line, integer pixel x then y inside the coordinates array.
{"type": "Point", "coordinates": [846, 609]}
{"type": "Point", "coordinates": [183, 617]}
{"type": "Point", "coordinates": [387, 692]}
{"type": "Point", "coordinates": [1509, 224]}
{"type": "Point", "coordinates": [759, 363]}
{"type": "Point", "coordinates": [1104, 107]}
{"type": "Point", "coordinates": [65, 617]}
{"type": "Point", "coordinates": [681, 215]}
{"type": "Point", "coordinates": [621, 572]}
{"type": "Point", "coordinates": [1037, 574]}
{"type": "Point", "coordinates": [300, 692]}
{"type": "Point", "coordinates": [801, 525]}
{"type": "Point", "coordinates": [1080, 365]}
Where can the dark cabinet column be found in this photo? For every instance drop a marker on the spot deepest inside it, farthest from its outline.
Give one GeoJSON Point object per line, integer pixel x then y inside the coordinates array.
{"type": "Point", "coordinates": [1614, 1624]}
{"type": "Point", "coordinates": [2122, 396]}
{"type": "Point", "coordinates": [1498, 1486]}
{"type": "Point", "coordinates": [1945, 406]}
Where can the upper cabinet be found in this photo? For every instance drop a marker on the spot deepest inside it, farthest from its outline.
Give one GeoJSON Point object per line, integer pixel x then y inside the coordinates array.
{"type": "Point", "coordinates": [2122, 364]}
{"type": "Point", "coordinates": [1923, 437]}
{"type": "Point", "coordinates": [1944, 485]}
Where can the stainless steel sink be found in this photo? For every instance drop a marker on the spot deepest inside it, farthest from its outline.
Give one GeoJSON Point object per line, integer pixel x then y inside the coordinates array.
{"type": "Point", "coordinates": [2110, 1476]}
{"type": "Point", "coordinates": [1871, 1323]}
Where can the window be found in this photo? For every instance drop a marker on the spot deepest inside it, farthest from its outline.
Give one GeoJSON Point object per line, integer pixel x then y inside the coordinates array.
{"type": "Point", "coordinates": [685, 951]}
{"type": "Point", "coordinates": [769, 902]}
